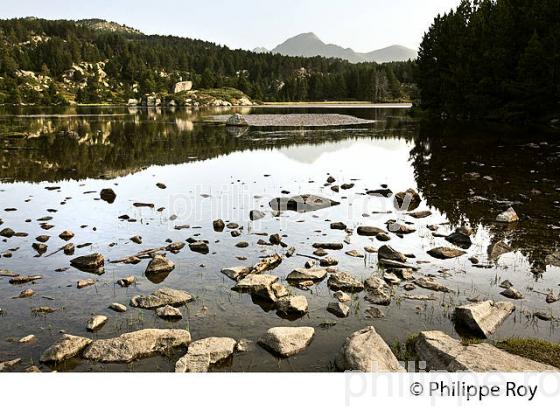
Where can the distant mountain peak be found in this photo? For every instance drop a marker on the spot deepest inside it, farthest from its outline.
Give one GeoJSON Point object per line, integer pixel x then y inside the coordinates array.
{"type": "Point", "coordinates": [310, 45]}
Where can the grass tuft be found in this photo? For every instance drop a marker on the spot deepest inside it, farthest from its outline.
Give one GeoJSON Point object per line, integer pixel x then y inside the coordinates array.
{"type": "Point", "coordinates": [538, 350]}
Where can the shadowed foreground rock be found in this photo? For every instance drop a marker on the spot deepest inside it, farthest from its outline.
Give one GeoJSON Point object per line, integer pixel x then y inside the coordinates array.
{"type": "Point", "coordinates": [365, 351]}
{"type": "Point", "coordinates": [204, 353]}
{"type": "Point", "coordinates": [483, 318]}
{"type": "Point", "coordinates": [443, 353]}
{"type": "Point", "coordinates": [67, 347]}
{"type": "Point", "coordinates": [287, 341]}
{"type": "Point", "coordinates": [135, 345]}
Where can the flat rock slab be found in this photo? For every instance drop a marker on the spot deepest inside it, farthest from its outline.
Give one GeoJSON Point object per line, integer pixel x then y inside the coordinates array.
{"type": "Point", "coordinates": [297, 120]}
{"type": "Point", "coordinates": [205, 352]}
{"type": "Point", "coordinates": [443, 353]}
{"type": "Point", "coordinates": [302, 274]}
{"type": "Point", "coordinates": [483, 318]}
{"type": "Point", "coordinates": [135, 345]}
{"type": "Point", "coordinates": [287, 341]}
{"type": "Point", "coordinates": [67, 347]}
{"type": "Point", "coordinates": [345, 282]}
{"type": "Point", "coordinates": [301, 203]}
{"type": "Point", "coordinates": [445, 253]}
{"type": "Point", "coordinates": [365, 351]}
{"type": "Point", "coordinates": [161, 297]}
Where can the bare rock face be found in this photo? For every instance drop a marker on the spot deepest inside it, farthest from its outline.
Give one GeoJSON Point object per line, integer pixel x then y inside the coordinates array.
{"type": "Point", "coordinates": [483, 318]}
{"type": "Point", "coordinates": [205, 352]}
{"type": "Point", "coordinates": [443, 353]}
{"type": "Point", "coordinates": [301, 203]}
{"type": "Point", "coordinates": [507, 216]}
{"type": "Point", "coordinates": [345, 282]}
{"type": "Point", "coordinates": [287, 341]}
{"type": "Point", "coordinates": [161, 297]}
{"type": "Point", "coordinates": [158, 265]}
{"type": "Point", "coordinates": [67, 347]}
{"type": "Point", "coordinates": [387, 252]}
{"type": "Point", "coordinates": [135, 345]}
{"type": "Point", "coordinates": [89, 263]}
{"type": "Point", "coordinates": [445, 253]}
{"type": "Point", "coordinates": [366, 351]}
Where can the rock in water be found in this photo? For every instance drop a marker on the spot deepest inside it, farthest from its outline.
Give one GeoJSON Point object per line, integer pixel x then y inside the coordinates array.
{"type": "Point", "coordinates": [366, 351]}
{"type": "Point", "coordinates": [266, 264]}
{"type": "Point", "coordinates": [237, 120]}
{"type": "Point", "coordinates": [67, 347]}
{"type": "Point", "coordinates": [445, 253]}
{"type": "Point", "coordinates": [369, 231]}
{"type": "Point", "coordinates": [483, 318]}
{"type": "Point", "coordinates": [345, 282]}
{"type": "Point", "coordinates": [199, 247]}
{"type": "Point", "coordinates": [259, 285]}
{"type": "Point", "coordinates": [459, 239]}
{"type": "Point", "coordinates": [159, 264]}
{"type": "Point", "coordinates": [498, 249]}
{"type": "Point", "coordinates": [169, 313]}
{"type": "Point", "coordinates": [302, 274]}
{"type": "Point", "coordinates": [218, 225]}
{"type": "Point", "coordinates": [292, 305]}
{"type": "Point", "coordinates": [255, 215]}
{"type": "Point", "coordinates": [507, 216]}
{"type": "Point", "coordinates": [161, 297]}
{"type": "Point", "coordinates": [431, 284]}
{"type": "Point", "coordinates": [236, 272]}
{"type": "Point", "coordinates": [287, 341]}
{"type": "Point", "coordinates": [89, 263]}
{"type": "Point", "coordinates": [408, 200]}
{"type": "Point", "coordinates": [443, 353]}
{"type": "Point", "coordinates": [512, 293]}
{"type": "Point", "coordinates": [387, 252]}
{"type": "Point", "coordinates": [205, 352]}
{"type": "Point", "coordinates": [338, 309]}
{"type": "Point", "coordinates": [96, 322]}
{"type": "Point", "coordinates": [108, 195]}
{"type": "Point", "coordinates": [118, 307]}
{"type": "Point", "coordinates": [301, 203]}
{"type": "Point", "coordinates": [135, 345]}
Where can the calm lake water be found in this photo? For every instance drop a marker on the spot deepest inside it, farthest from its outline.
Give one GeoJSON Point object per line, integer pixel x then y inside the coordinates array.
{"type": "Point", "coordinates": [211, 173]}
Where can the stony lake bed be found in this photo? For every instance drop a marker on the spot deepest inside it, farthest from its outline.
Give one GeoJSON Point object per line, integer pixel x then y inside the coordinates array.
{"type": "Point", "coordinates": [326, 231]}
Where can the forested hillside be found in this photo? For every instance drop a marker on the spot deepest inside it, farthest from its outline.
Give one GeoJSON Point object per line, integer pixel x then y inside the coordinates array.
{"type": "Point", "coordinates": [497, 59]}
{"type": "Point", "coordinates": [56, 62]}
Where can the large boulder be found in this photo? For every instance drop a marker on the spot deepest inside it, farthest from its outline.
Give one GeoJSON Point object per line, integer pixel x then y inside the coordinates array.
{"type": "Point", "coordinates": [67, 347]}
{"type": "Point", "coordinates": [135, 345]}
{"type": "Point", "coordinates": [483, 318]}
{"type": "Point", "coordinates": [365, 351]}
{"type": "Point", "coordinates": [287, 341]}
{"type": "Point", "coordinates": [182, 86]}
{"type": "Point", "coordinates": [161, 297]}
{"type": "Point", "coordinates": [205, 352]}
{"type": "Point", "coordinates": [443, 353]}
{"type": "Point", "coordinates": [301, 203]}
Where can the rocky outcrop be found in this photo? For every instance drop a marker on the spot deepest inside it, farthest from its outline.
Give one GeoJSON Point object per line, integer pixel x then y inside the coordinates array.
{"type": "Point", "coordinates": [204, 353]}
{"type": "Point", "coordinates": [287, 341]}
{"type": "Point", "coordinates": [67, 347]}
{"type": "Point", "coordinates": [182, 86]}
{"type": "Point", "coordinates": [365, 351]}
{"type": "Point", "coordinates": [443, 353]}
{"type": "Point", "coordinates": [135, 345]}
{"type": "Point", "coordinates": [161, 297]}
{"type": "Point", "coordinates": [483, 318]}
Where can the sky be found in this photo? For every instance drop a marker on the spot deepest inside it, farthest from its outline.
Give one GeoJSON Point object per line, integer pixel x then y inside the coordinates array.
{"type": "Point", "coordinates": [363, 25]}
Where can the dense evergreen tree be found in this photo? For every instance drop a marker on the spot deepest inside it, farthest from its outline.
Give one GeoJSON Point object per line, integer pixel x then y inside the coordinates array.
{"type": "Point", "coordinates": [153, 63]}
{"type": "Point", "coordinates": [492, 59]}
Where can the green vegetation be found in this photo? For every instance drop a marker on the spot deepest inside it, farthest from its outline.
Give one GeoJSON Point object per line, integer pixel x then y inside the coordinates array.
{"type": "Point", "coordinates": [537, 350]}
{"type": "Point", "coordinates": [95, 61]}
{"type": "Point", "coordinates": [497, 59]}
{"type": "Point", "coordinates": [406, 352]}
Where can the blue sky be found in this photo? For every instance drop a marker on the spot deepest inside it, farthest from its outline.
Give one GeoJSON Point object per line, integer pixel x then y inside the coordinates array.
{"type": "Point", "coordinates": [363, 25]}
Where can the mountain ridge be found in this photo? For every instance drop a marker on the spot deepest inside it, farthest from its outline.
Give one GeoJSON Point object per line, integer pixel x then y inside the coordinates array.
{"type": "Point", "coordinates": [310, 45]}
